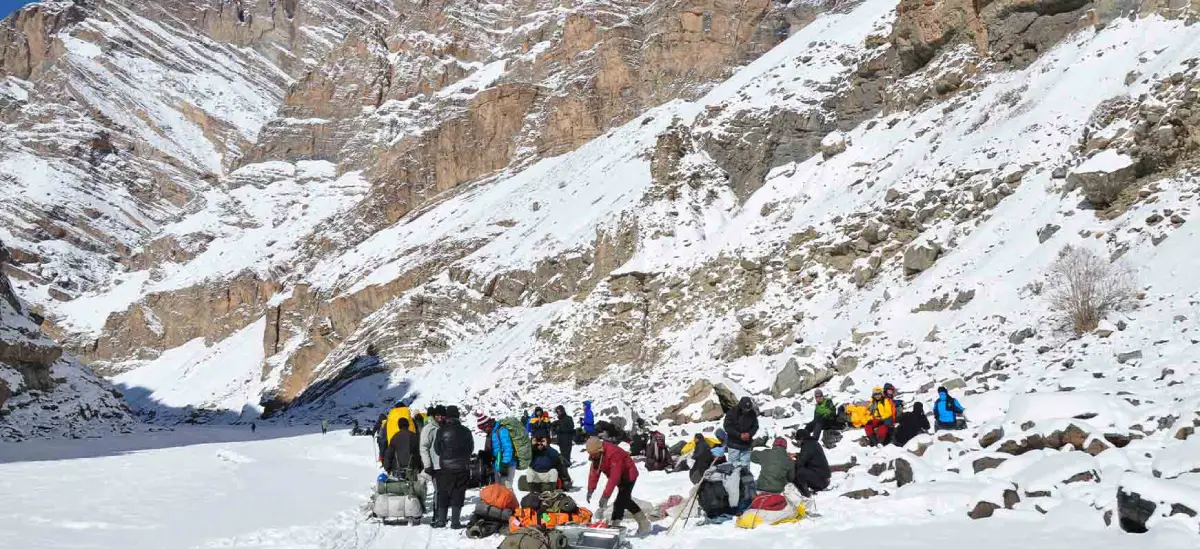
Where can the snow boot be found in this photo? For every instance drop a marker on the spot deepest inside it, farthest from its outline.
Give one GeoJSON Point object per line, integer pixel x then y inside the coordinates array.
{"type": "Point", "coordinates": [643, 523]}
{"type": "Point", "coordinates": [455, 515]}
{"type": "Point", "coordinates": [439, 519]}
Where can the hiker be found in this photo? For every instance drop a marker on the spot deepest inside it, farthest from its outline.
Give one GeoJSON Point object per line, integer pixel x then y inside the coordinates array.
{"type": "Point", "coordinates": [564, 427]}
{"type": "Point", "coordinates": [702, 459]}
{"type": "Point", "coordinates": [504, 452]}
{"type": "Point", "coordinates": [741, 424]}
{"type": "Point", "coordinates": [453, 446]}
{"type": "Point", "coordinates": [947, 410]}
{"type": "Point", "coordinates": [778, 469]}
{"type": "Point", "coordinates": [381, 439]}
{"type": "Point", "coordinates": [355, 429]}
{"type": "Point", "coordinates": [615, 463]}
{"type": "Point", "coordinates": [889, 391]}
{"type": "Point", "coordinates": [403, 453]}
{"type": "Point", "coordinates": [525, 417]}
{"type": "Point", "coordinates": [253, 427]}
{"type": "Point", "coordinates": [546, 458]}
{"type": "Point", "coordinates": [912, 423]}
{"type": "Point", "coordinates": [588, 423]}
{"type": "Point", "coordinates": [824, 415]}
{"type": "Point", "coordinates": [429, 456]}
{"type": "Point", "coordinates": [324, 426]}
{"type": "Point", "coordinates": [883, 418]}
{"type": "Point", "coordinates": [658, 456]}
{"type": "Point", "coordinates": [812, 472]}
{"type": "Point", "coordinates": [639, 437]}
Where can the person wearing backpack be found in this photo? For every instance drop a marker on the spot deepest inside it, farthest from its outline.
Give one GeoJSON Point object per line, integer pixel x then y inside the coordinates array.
{"type": "Point", "coordinates": [741, 424]}
{"type": "Point", "coordinates": [454, 446]}
{"type": "Point", "coordinates": [504, 452]}
{"type": "Point", "coordinates": [403, 453]}
{"type": "Point", "coordinates": [564, 430]}
{"type": "Point", "coordinates": [658, 456]}
{"type": "Point", "coordinates": [946, 411]}
{"type": "Point", "coordinates": [616, 464]}
{"type": "Point", "coordinates": [812, 471]}
{"type": "Point", "coordinates": [778, 469]}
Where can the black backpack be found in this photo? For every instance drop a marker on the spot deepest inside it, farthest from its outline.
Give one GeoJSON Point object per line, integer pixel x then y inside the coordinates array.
{"type": "Point", "coordinates": [658, 456]}
{"type": "Point", "coordinates": [713, 499]}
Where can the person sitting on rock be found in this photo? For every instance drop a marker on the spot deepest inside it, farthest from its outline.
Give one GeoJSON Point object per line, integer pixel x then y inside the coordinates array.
{"type": "Point", "coordinates": [947, 411]}
{"type": "Point", "coordinates": [912, 423]}
{"type": "Point", "coordinates": [778, 469]}
{"type": "Point", "coordinates": [824, 415]}
{"type": "Point", "coordinates": [812, 473]}
{"type": "Point", "coordinates": [883, 418]}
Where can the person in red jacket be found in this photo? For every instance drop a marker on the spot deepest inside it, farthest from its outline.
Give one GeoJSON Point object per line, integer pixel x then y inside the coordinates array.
{"type": "Point", "coordinates": [615, 463]}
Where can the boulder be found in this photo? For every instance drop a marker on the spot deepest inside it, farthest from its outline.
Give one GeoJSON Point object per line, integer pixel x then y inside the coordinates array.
{"type": "Point", "coordinates": [1103, 177]}
{"type": "Point", "coordinates": [1047, 232]}
{"type": "Point", "coordinates": [1122, 358]}
{"type": "Point", "coordinates": [845, 364]}
{"type": "Point", "coordinates": [904, 471]}
{"type": "Point", "coordinates": [1018, 337]}
{"type": "Point", "coordinates": [982, 510]}
{"type": "Point", "coordinates": [798, 378]}
{"type": "Point", "coordinates": [700, 403]}
{"type": "Point", "coordinates": [1141, 500]}
{"type": "Point", "coordinates": [991, 437]}
{"type": "Point", "coordinates": [920, 257]}
{"type": "Point", "coordinates": [834, 144]}
{"type": "Point", "coordinates": [984, 463]}
{"type": "Point", "coordinates": [865, 493]}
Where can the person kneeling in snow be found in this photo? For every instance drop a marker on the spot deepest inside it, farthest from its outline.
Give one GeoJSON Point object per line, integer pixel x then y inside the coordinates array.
{"type": "Point", "coordinates": [946, 411]}
{"type": "Point", "coordinates": [778, 470]}
{"type": "Point", "coordinates": [547, 463]}
{"type": "Point", "coordinates": [912, 423]}
{"type": "Point", "coordinates": [883, 418]}
{"type": "Point", "coordinates": [615, 463]}
{"type": "Point", "coordinates": [812, 472]}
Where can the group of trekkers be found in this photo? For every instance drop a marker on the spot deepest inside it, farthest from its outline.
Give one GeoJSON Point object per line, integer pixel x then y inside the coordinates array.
{"type": "Point", "coordinates": [883, 418]}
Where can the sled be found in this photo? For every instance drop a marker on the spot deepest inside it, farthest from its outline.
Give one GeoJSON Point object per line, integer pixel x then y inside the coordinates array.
{"type": "Point", "coordinates": [589, 537]}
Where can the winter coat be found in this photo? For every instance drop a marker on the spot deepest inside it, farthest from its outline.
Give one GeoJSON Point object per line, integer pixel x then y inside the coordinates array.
{"type": "Point", "coordinates": [616, 464]}
{"type": "Point", "coordinates": [742, 419]}
{"type": "Point", "coordinates": [402, 453]}
{"type": "Point", "coordinates": [564, 427]}
{"type": "Point", "coordinates": [549, 459]}
{"type": "Point", "coordinates": [911, 424]}
{"type": "Point", "coordinates": [825, 410]}
{"type": "Point", "coordinates": [503, 451]}
{"type": "Point", "coordinates": [812, 457]}
{"type": "Point", "coordinates": [702, 459]}
{"type": "Point", "coordinates": [946, 409]}
{"type": "Point", "coordinates": [454, 446]}
{"type": "Point", "coordinates": [589, 420]}
{"type": "Point", "coordinates": [428, 434]}
{"type": "Point", "coordinates": [884, 410]}
{"type": "Point", "coordinates": [777, 472]}
{"type": "Point", "coordinates": [381, 437]}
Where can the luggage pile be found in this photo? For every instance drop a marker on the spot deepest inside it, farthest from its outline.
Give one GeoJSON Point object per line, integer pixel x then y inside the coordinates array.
{"type": "Point", "coordinates": [771, 510]}
{"type": "Point", "coordinates": [548, 510]}
{"type": "Point", "coordinates": [568, 537]}
{"type": "Point", "coordinates": [493, 512]}
{"type": "Point", "coordinates": [726, 490]}
{"type": "Point", "coordinates": [399, 500]}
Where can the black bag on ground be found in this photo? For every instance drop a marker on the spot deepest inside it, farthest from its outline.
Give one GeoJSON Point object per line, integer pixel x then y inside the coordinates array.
{"type": "Point", "coordinates": [489, 512]}
{"type": "Point", "coordinates": [713, 499]}
{"type": "Point", "coordinates": [482, 528]}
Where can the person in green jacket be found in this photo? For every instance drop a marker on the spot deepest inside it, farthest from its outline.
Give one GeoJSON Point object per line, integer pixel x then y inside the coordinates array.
{"type": "Point", "coordinates": [824, 415]}
{"type": "Point", "coordinates": [778, 469]}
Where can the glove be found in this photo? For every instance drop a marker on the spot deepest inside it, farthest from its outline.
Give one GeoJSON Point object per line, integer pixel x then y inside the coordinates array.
{"type": "Point", "coordinates": [603, 503]}
{"type": "Point", "coordinates": [589, 497]}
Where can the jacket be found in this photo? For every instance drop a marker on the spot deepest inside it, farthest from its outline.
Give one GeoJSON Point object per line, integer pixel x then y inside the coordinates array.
{"type": "Point", "coordinates": [503, 452]}
{"type": "Point", "coordinates": [777, 472]}
{"type": "Point", "coordinates": [549, 459]}
{"type": "Point", "coordinates": [616, 464]}
{"type": "Point", "coordinates": [812, 457]}
{"type": "Point", "coordinates": [402, 453]}
{"type": "Point", "coordinates": [564, 427]}
{"type": "Point", "coordinates": [826, 409]}
{"type": "Point", "coordinates": [454, 446]}
{"type": "Point", "coordinates": [946, 409]}
{"type": "Point", "coordinates": [911, 424]}
{"type": "Point", "coordinates": [589, 420]}
{"type": "Point", "coordinates": [702, 459]}
{"type": "Point", "coordinates": [883, 410]}
{"type": "Point", "coordinates": [429, 457]}
{"type": "Point", "coordinates": [742, 419]}
{"type": "Point", "coordinates": [381, 437]}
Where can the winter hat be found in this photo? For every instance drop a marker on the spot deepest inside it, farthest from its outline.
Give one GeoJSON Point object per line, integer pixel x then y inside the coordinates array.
{"type": "Point", "coordinates": [483, 422]}
{"type": "Point", "coordinates": [818, 393]}
{"type": "Point", "coordinates": [452, 412]}
{"type": "Point", "coordinates": [780, 442]}
{"type": "Point", "coordinates": [943, 390]}
{"type": "Point", "coordinates": [594, 445]}
{"type": "Point", "coordinates": [720, 433]}
{"type": "Point", "coordinates": [888, 387]}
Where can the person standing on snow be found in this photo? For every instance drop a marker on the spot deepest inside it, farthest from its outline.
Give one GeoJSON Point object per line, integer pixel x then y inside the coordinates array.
{"type": "Point", "coordinates": [324, 426]}
{"type": "Point", "coordinates": [946, 411]}
{"type": "Point", "coordinates": [403, 453]}
{"type": "Point", "coordinates": [253, 427]}
{"type": "Point", "coordinates": [429, 457]}
{"type": "Point", "coordinates": [812, 473]}
{"type": "Point", "coordinates": [504, 452]}
{"type": "Point", "coordinates": [778, 469]}
{"type": "Point", "coordinates": [588, 424]}
{"type": "Point", "coordinates": [381, 438]}
{"type": "Point", "coordinates": [614, 463]}
{"type": "Point", "coordinates": [564, 430]}
{"type": "Point", "coordinates": [741, 424]}
{"type": "Point", "coordinates": [453, 446]}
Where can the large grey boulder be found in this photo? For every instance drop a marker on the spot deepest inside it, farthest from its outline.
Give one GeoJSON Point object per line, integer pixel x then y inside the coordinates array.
{"type": "Point", "coordinates": [920, 257]}
{"type": "Point", "coordinates": [799, 377]}
{"type": "Point", "coordinates": [1103, 177]}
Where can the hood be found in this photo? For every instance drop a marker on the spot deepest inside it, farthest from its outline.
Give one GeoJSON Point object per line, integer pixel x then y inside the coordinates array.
{"type": "Point", "coordinates": [919, 408]}
{"type": "Point", "coordinates": [745, 404]}
{"type": "Point", "coordinates": [587, 404]}
{"type": "Point", "coordinates": [560, 410]}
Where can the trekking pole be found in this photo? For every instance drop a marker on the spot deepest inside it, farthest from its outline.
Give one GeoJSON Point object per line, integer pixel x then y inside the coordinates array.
{"type": "Point", "coordinates": [686, 509]}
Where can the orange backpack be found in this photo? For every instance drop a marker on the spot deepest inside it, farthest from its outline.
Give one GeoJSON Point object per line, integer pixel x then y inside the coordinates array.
{"type": "Point", "coordinates": [527, 517]}
{"type": "Point", "coordinates": [498, 496]}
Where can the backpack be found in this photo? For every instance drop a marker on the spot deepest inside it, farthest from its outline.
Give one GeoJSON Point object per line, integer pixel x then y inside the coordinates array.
{"type": "Point", "coordinates": [482, 528]}
{"type": "Point", "coordinates": [534, 538]}
{"type": "Point", "coordinates": [712, 498]}
{"type": "Point", "coordinates": [522, 446]}
{"type": "Point", "coordinates": [498, 496]}
{"type": "Point", "coordinates": [658, 457]}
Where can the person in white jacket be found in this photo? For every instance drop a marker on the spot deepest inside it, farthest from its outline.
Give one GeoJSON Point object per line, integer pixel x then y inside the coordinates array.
{"type": "Point", "coordinates": [428, 454]}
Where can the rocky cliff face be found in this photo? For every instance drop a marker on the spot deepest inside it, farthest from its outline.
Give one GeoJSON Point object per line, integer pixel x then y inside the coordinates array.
{"type": "Point", "coordinates": [513, 200]}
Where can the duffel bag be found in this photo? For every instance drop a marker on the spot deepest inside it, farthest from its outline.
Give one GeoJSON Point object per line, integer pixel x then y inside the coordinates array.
{"type": "Point", "coordinates": [534, 538]}
{"type": "Point", "coordinates": [489, 512]}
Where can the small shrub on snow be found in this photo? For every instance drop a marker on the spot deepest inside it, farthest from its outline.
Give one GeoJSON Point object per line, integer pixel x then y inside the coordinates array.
{"type": "Point", "coordinates": [1083, 287]}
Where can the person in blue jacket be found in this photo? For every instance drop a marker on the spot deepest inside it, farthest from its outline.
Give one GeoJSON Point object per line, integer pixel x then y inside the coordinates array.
{"type": "Point", "coordinates": [503, 452]}
{"type": "Point", "coordinates": [946, 411]}
{"type": "Point", "coordinates": [589, 420]}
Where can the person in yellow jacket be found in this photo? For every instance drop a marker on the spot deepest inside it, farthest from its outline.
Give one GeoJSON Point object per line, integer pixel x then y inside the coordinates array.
{"type": "Point", "coordinates": [883, 418]}
{"type": "Point", "coordinates": [393, 419]}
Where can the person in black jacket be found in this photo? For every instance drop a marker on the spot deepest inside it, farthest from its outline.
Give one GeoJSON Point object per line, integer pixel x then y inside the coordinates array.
{"type": "Point", "coordinates": [546, 458]}
{"type": "Point", "coordinates": [564, 430]}
{"type": "Point", "coordinates": [812, 468]}
{"type": "Point", "coordinates": [912, 423]}
{"type": "Point", "coordinates": [741, 424]}
{"type": "Point", "coordinates": [403, 453]}
{"type": "Point", "coordinates": [702, 459]}
{"type": "Point", "coordinates": [454, 446]}
{"type": "Point", "coordinates": [381, 436]}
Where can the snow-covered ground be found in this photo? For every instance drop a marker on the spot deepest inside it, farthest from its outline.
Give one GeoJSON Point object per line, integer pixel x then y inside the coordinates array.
{"type": "Point", "coordinates": [281, 488]}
